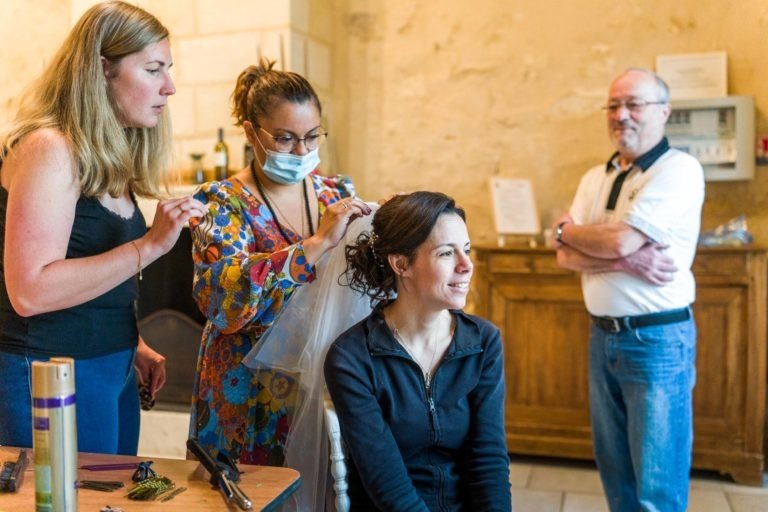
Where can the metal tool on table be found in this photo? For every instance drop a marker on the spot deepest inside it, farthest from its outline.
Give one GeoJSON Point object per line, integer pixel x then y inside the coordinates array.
{"type": "Point", "coordinates": [224, 475]}
{"type": "Point", "coordinates": [110, 467]}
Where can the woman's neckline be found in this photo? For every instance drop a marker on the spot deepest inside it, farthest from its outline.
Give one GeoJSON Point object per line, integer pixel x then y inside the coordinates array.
{"type": "Point", "coordinates": [307, 214]}
{"type": "Point", "coordinates": [116, 214]}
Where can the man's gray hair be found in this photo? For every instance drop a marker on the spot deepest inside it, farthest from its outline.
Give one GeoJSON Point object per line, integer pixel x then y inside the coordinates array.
{"type": "Point", "coordinates": [660, 83]}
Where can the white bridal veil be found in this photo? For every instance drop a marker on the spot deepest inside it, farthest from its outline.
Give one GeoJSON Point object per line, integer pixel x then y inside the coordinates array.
{"type": "Point", "coordinates": [297, 343]}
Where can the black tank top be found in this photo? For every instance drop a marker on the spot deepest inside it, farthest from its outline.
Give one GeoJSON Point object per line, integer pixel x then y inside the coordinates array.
{"type": "Point", "coordinates": [98, 327]}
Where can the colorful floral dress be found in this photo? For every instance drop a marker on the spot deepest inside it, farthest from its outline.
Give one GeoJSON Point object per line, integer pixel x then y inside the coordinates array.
{"type": "Point", "coordinates": [244, 273]}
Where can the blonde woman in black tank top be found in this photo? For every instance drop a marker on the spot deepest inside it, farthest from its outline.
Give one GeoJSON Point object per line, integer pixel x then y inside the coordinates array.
{"type": "Point", "coordinates": [91, 134]}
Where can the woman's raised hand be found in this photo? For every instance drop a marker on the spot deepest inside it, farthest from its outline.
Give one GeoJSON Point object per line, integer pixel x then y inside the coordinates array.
{"type": "Point", "coordinates": [333, 226]}
{"type": "Point", "coordinates": [170, 216]}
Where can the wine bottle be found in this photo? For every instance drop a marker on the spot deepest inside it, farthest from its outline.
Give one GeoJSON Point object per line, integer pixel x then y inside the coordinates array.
{"type": "Point", "coordinates": [221, 157]}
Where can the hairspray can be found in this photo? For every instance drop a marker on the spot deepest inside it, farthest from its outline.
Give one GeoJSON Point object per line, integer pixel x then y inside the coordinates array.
{"type": "Point", "coordinates": [54, 435]}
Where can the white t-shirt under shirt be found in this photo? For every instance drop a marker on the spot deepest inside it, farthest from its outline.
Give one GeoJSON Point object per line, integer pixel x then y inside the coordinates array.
{"type": "Point", "coordinates": [663, 202]}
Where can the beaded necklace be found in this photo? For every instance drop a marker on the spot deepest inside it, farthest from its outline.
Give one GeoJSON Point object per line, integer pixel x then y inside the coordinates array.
{"type": "Point", "coordinates": [260, 188]}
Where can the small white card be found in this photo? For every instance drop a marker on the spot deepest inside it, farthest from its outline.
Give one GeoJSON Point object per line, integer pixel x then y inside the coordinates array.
{"type": "Point", "coordinates": [514, 207]}
{"type": "Point", "coordinates": [694, 75]}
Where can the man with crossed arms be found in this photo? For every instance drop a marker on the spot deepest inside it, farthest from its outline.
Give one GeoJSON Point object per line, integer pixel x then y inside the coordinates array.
{"type": "Point", "coordinates": [632, 233]}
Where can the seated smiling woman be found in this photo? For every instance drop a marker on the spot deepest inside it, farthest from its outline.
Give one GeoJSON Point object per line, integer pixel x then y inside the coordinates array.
{"type": "Point", "coordinates": [419, 385]}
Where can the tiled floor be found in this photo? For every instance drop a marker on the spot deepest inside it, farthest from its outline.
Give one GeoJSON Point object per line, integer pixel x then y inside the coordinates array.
{"type": "Point", "coordinates": [538, 484]}
{"type": "Point", "coordinates": [555, 485]}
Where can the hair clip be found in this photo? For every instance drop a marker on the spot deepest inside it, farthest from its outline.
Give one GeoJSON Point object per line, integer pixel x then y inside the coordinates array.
{"type": "Point", "coordinates": [143, 472]}
{"type": "Point", "coordinates": [145, 397]}
{"type": "Point", "coordinates": [373, 238]}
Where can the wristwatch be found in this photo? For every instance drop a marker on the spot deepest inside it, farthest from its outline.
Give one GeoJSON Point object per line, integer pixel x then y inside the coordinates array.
{"type": "Point", "coordinates": [559, 232]}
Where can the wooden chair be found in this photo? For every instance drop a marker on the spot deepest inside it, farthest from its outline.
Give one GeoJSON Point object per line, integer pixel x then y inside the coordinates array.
{"type": "Point", "coordinates": [338, 466]}
{"type": "Point", "coordinates": [176, 336]}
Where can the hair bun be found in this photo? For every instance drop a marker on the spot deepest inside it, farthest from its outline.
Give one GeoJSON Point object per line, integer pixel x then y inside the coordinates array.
{"type": "Point", "coordinates": [261, 87]}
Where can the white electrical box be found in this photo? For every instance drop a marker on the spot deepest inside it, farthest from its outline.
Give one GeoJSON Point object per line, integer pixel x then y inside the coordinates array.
{"type": "Point", "coordinates": [719, 132]}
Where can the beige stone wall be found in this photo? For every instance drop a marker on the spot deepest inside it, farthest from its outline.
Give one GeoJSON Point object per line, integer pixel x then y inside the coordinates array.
{"type": "Point", "coordinates": [439, 95]}
{"type": "Point", "coordinates": [31, 31]}
{"type": "Point", "coordinates": [212, 41]}
{"type": "Point", "coordinates": [444, 95]}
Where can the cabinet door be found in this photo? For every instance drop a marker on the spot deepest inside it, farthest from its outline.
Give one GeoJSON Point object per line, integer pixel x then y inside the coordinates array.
{"type": "Point", "coordinates": [718, 398]}
{"type": "Point", "coordinates": [546, 335]}
{"type": "Point", "coordinates": [730, 365]}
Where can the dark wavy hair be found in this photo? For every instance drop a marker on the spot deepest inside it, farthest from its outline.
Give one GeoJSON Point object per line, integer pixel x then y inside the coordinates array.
{"type": "Point", "coordinates": [400, 226]}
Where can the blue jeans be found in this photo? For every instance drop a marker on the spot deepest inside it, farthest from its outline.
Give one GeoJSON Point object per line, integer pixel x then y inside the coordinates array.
{"type": "Point", "coordinates": [107, 402]}
{"type": "Point", "coordinates": [640, 392]}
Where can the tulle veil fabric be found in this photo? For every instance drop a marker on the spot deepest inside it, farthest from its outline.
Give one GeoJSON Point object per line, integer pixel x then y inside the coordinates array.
{"type": "Point", "coordinates": [297, 343]}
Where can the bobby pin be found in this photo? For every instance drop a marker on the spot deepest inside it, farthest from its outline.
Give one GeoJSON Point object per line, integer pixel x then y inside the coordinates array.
{"type": "Point", "coordinates": [172, 494]}
{"type": "Point", "coordinates": [100, 485]}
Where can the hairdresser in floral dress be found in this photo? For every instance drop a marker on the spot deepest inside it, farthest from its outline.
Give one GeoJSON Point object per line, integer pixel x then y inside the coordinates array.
{"type": "Point", "coordinates": [265, 228]}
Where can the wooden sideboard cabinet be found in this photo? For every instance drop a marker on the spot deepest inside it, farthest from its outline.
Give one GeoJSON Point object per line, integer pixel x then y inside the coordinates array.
{"type": "Point", "coordinates": [545, 327]}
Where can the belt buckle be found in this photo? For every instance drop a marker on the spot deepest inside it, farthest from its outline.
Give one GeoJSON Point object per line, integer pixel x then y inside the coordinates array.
{"type": "Point", "coordinates": [616, 324]}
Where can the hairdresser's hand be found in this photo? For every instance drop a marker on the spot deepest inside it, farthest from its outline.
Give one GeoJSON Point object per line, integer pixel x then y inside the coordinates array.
{"type": "Point", "coordinates": [170, 217]}
{"type": "Point", "coordinates": [333, 227]}
{"type": "Point", "coordinates": [150, 366]}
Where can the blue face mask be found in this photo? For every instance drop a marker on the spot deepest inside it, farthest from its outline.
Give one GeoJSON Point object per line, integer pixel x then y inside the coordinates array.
{"type": "Point", "coordinates": [289, 169]}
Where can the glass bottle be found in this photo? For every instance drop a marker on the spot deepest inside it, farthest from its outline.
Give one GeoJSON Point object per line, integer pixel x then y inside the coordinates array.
{"type": "Point", "coordinates": [198, 174]}
{"type": "Point", "coordinates": [221, 157]}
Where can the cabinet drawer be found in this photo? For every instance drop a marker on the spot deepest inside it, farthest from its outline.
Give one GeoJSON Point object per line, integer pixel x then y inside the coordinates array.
{"type": "Point", "coordinates": [723, 264]}
{"type": "Point", "coordinates": [524, 264]}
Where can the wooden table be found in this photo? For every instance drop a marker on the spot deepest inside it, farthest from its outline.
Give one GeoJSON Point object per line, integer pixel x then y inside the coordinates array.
{"type": "Point", "coordinates": [266, 486]}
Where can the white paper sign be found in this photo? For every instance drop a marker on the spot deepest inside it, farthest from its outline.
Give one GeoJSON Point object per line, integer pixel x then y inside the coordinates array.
{"type": "Point", "coordinates": [514, 207]}
{"type": "Point", "coordinates": [694, 75]}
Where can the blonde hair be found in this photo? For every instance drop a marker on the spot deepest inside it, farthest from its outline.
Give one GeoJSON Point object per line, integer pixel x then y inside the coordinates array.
{"type": "Point", "coordinates": [72, 96]}
{"type": "Point", "coordinates": [259, 89]}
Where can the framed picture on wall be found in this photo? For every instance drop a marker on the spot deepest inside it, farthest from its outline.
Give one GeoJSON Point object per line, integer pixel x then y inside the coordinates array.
{"type": "Point", "coordinates": [694, 75]}
{"type": "Point", "coordinates": [514, 207]}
